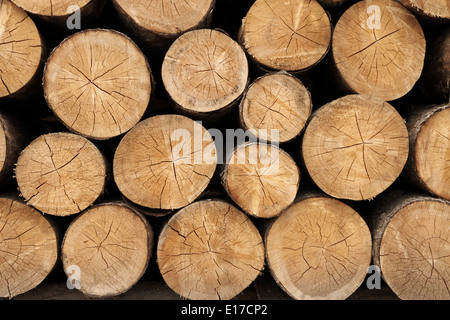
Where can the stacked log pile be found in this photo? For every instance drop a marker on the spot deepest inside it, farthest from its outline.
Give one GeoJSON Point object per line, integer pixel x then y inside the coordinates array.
{"type": "Point", "coordinates": [210, 145]}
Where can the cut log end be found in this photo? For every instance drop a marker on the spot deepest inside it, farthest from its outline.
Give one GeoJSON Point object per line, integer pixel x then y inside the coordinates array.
{"type": "Point", "coordinates": [379, 49]}
{"type": "Point", "coordinates": [29, 248]}
{"type": "Point", "coordinates": [98, 83]}
{"type": "Point", "coordinates": [415, 248]}
{"type": "Point", "coordinates": [51, 8]}
{"type": "Point", "coordinates": [286, 35]}
{"type": "Point", "coordinates": [262, 179]}
{"type": "Point", "coordinates": [167, 19]}
{"type": "Point", "coordinates": [19, 38]}
{"type": "Point", "coordinates": [210, 250]}
{"type": "Point", "coordinates": [110, 245]}
{"type": "Point", "coordinates": [436, 9]}
{"type": "Point", "coordinates": [61, 174]}
{"type": "Point", "coordinates": [205, 71]}
{"type": "Point", "coordinates": [355, 147]}
{"type": "Point", "coordinates": [165, 162]}
{"type": "Point", "coordinates": [432, 153]}
{"type": "Point", "coordinates": [278, 102]}
{"type": "Point", "coordinates": [319, 248]}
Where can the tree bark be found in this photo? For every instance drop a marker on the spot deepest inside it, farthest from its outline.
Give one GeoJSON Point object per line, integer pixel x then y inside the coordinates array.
{"type": "Point", "coordinates": [275, 102]}
{"type": "Point", "coordinates": [29, 247]}
{"type": "Point", "coordinates": [318, 248]}
{"type": "Point", "coordinates": [210, 250]}
{"type": "Point", "coordinates": [61, 174]}
{"type": "Point", "coordinates": [355, 147]}
{"type": "Point", "coordinates": [205, 73]}
{"type": "Point", "coordinates": [293, 35]}
{"type": "Point", "coordinates": [98, 83]}
{"type": "Point", "coordinates": [111, 245]}
{"type": "Point", "coordinates": [378, 49]}
{"type": "Point", "coordinates": [165, 162]}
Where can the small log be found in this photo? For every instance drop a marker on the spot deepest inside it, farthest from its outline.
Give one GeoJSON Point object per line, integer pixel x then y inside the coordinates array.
{"type": "Point", "coordinates": [57, 12]}
{"type": "Point", "coordinates": [428, 163]}
{"type": "Point", "coordinates": [157, 25]}
{"type": "Point", "coordinates": [205, 72]}
{"type": "Point", "coordinates": [61, 174]}
{"type": "Point", "coordinates": [275, 101]}
{"type": "Point", "coordinates": [411, 245]}
{"type": "Point", "coordinates": [286, 35]}
{"type": "Point", "coordinates": [261, 178]}
{"type": "Point", "coordinates": [319, 248]}
{"type": "Point", "coordinates": [29, 247]}
{"type": "Point", "coordinates": [210, 250]}
{"type": "Point", "coordinates": [429, 11]}
{"type": "Point", "coordinates": [21, 52]}
{"type": "Point", "coordinates": [110, 244]}
{"type": "Point", "coordinates": [378, 49]}
{"type": "Point", "coordinates": [165, 162]}
{"type": "Point", "coordinates": [355, 147]}
{"type": "Point", "coordinates": [98, 83]}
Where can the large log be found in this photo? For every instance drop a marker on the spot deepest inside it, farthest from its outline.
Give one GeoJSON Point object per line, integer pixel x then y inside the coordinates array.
{"type": "Point", "coordinates": [318, 248]}
{"type": "Point", "coordinates": [158, 24]}
{"type": "Point", "coordinates": [61, 173]}
{"type": "Point", "coordinates": [428, 164]}
{"type": "Point", "coordinates": [165, 162]}
{"type": "Point", "coordinates": [205, 73]}
{"type": "Point", "coordinates": [355, 147]}
{"type": "Point", "coordinates": [29, 247]}
{"type": "Point", "coordinates": [411, 245]}
{"type": "Point", "coordinates": [210, 250]}
{"type": "Point", "coordinates": [286, 35]}
{"type": "Point", "coordinates": [106, 250]}
{"type": "Point", "coordinates": [379, 49]}
{"type": "Point", "coordinates": [275, 101]}
{"type": "Point", "coordinates": [261, 178]}
{"type": "Point", "coordinates": [98, 83]}
{"type": "Point", "coordinates": [21, 52]}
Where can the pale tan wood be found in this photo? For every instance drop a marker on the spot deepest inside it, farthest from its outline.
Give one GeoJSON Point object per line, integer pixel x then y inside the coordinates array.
{"type": "Point", "coordinates": [210, 250]}
{"type": "Point", "coordinates": [158, 23]}
{"type": "Point", "coordinates": [355, 147]}
{"type": "Point", "coordinates": [165, 162]}
{"type": "Point", "coordinates": [289, 35]}
{"type": "Point", "coordinates": [205, 73]}
{"type": "Point", "coordinates": [98, 83]}
{"type": "Point", "coordinates": [435, 9]}
{"type": "Point", "coordinates": [412, 245]}
{"type": "Point", "coordinates": [111, 244]}
{"type": "Point", "coordinates": [275, 101]}
{"type": "Point", "coordinates": [319, 248]}
{"type": "Point", "coordinates": [29, 247]}
{"type": "Point", "coordinates": [21, 50]}
{"type": "Point", "coordinates": [61, 173]}
{"type": "Point", "coordinates": [385, 62]}
{"type": "Point", "coordinates": [429, 162]}
{"type": "Point", "coordinates": [261, 178]}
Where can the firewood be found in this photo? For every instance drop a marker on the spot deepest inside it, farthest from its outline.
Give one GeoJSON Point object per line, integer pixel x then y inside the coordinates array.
{"type": "Point", "coordinates": [355, 147]}
{"type": "Point", "coordinates": [275, 101]}
{"type": "Point", "coordinates": [21, 52]}
{"type": "Point", "coordinates": [98, 83]}
{"type": "Point", "coordinates": [379, 49]}
{"type": "Point", "coordinates": [61, 173]}
{"type": "Point", "coordinates": [210, 250]}
{"type": "Point", "coordinates": [29, 247]}
{"type": "Point", "coordinates": [165, 162]}
{"type": "Point", "coordinates": [286, 35]}
{"type": "Point", "coordinates": [158, 24]}
{"type": "Point", "coordinates": [205, 73]}
{"type": "Point", "coordinates": [109, 247]}
{"type": "Point", "coordinates": [318, 248]}
{"type": "Point", "coordinates": [261, 178]}
{"type": "Point", "coordinates": [436, 10]}
{"type": "Point", "coordinates": [428, 163]}
{"type": "Point", "coordinates": [410, 245]}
